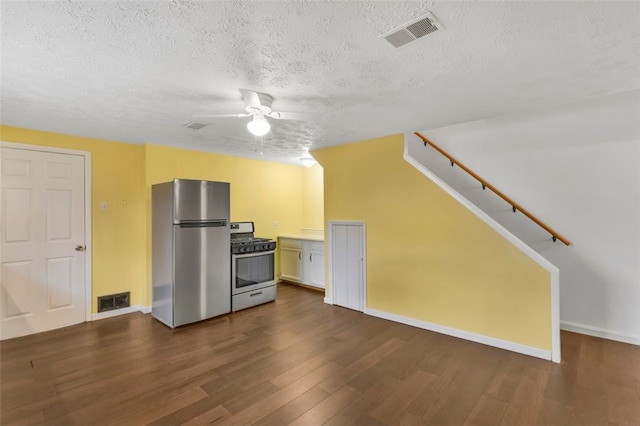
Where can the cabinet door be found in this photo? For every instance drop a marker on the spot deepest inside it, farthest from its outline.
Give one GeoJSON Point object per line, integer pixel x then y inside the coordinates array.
{"type": "Point", "coordinates": [316, 267]}
{"type": "Point", "coordinates": [291, 264]}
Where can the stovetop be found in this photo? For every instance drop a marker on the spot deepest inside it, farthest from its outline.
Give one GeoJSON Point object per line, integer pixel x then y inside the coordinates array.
{"type": "Point", "coordinates": [243, 241]}
{"type": "Point", "coordinates": [248, 240]}
{"type": "Point", "coordinates": [251, 245]}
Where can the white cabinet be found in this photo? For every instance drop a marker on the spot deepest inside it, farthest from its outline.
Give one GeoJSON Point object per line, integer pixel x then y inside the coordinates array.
{"type": "Point", "coordinates": [314, 263]}
{"type": "Point", "coordinates": [302, 261]}
{"type": "Point", "coordinates": [290, 260]}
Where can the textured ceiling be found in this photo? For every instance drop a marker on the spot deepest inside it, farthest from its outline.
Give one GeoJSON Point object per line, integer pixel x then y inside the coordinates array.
{"type": "Point", "coordinates": [136, 71]}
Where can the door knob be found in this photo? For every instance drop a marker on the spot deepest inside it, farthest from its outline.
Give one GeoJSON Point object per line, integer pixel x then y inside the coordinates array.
{"type": "Point", "coordinates": [81, 248]}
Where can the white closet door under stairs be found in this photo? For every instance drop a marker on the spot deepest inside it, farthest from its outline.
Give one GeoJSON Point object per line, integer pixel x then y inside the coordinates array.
{"type": "Point", "coordinates": [348, 265]}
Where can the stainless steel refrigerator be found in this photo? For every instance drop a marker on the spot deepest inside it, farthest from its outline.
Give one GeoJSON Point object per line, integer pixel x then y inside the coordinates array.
{"type": "Point", "coordinates": [190, 251]}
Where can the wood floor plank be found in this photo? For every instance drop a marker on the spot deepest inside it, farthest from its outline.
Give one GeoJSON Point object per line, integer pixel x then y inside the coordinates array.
{"type": "Point", "coordinates": [335, 382]}
{"type": "Point", "coordinates": [358, 411]}
{"type": "Point", "coordinates": [31, 419]}
{"type": "Point", "coordinates": [254, 412]}
{"type": "Point", "coordinates": [488, 411]}
{"type": "Point", "coordinates": [525, 405]}
{"type": "Point", "coordinates": [212, 416]}
{"type": "Point", "coordinates": [220, 393]}
{"type": "Point", "coordinates": [298, 360]}
{"type": "Point", "coordinates": [294, 372]}
{"type": "Point", "coordinates": [243, 399]}
{"type": "Point", "coordinates": [397, 404]}
{"type": "Point", "coordinates": [328, 408]}
{"type": "Point", "coordinates": [294, 408]}
{"type": "Point", "coordinates": [556, 413]}
{"type": "Point", "coordinates": [409, 419]}
{"type": "Point", "coordinates": [624, 408]}
{"type": "Point", "coordinates": [150, 412]}
{"type": "Point", "coordinates": [590, 405]}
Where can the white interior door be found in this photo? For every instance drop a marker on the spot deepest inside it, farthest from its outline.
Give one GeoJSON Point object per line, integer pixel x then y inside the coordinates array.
{"type": "Point", "coordinates": [42, 257]}
{"type": "Point", "coordinates": [348, 265]}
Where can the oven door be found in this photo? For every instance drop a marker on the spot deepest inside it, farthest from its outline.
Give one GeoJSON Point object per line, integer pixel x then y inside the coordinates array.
{"type": "Point", "coordinates": [252, 271]}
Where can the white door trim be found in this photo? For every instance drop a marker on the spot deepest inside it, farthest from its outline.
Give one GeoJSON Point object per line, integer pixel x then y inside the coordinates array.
{"type": "Point", "coordinates": [87, 207]}
{"type": "Point", "coordinates": [363, 249]}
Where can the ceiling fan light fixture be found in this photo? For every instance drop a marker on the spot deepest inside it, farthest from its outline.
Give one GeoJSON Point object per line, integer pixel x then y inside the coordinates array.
{"type": "Point", "coordinates": [259, 126]}
{"type": "Point", "coordinates": [308, 160]}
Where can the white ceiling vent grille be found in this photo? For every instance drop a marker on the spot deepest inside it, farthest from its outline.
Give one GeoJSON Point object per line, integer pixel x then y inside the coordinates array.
{"type": "Point", "coordinates": [195, 125]}
{"type": "Point", "coordinates": [413, 30]}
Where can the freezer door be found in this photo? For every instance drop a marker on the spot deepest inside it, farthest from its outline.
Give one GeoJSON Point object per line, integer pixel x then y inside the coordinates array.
{"type": "Point", "coordinates": [202, 280]}
{"type": "Point", "coordinates": [199, 200]}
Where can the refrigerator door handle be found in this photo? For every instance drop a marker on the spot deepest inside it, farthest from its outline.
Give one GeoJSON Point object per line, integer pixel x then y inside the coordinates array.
{"type": "Point", "coordinates": [203, 224]}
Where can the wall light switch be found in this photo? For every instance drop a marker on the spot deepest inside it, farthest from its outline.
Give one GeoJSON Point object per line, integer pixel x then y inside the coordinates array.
{"type": "Point", "coordinates": [276, 225]}
{"type": "Point", "coordinates": [104, 206]}
{"type": "Point", "coordinates": [123, 200]}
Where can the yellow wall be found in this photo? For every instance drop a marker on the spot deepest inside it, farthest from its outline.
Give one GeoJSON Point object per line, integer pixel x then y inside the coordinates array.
{"type": "Point", "coordinates": [261, 191]}
{"type": "Point", "coordinates": [313, 197]}
{"type": "Point", "coordinates": [428, 257]}
{"type": "Point", "coordinates": [118, 235]}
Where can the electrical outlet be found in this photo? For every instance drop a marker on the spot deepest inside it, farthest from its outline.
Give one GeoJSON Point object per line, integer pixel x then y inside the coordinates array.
{"type": "Point", "coordinates": [276, 225]}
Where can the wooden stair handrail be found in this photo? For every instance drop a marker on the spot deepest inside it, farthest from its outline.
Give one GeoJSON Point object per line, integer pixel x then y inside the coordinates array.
{"type": "Point", "coordinates": [515, 206]}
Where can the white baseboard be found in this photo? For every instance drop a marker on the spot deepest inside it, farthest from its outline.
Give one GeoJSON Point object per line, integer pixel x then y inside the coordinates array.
{"type": "Point", "coordinates": [478, 338]}
{"type": "Point", "coordinates": [121, 311]}
{"type": "Point", "coordinates": [599, 332]}
{"type": "Point", "coordinates": [327, 300]}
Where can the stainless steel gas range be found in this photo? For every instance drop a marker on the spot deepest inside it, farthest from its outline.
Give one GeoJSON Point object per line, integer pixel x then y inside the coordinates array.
{"type": "Point", "coordinates": [252, 267]}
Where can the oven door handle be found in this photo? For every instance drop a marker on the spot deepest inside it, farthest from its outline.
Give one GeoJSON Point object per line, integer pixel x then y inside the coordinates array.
{"type": "Point", "coordinates": [254, 254]}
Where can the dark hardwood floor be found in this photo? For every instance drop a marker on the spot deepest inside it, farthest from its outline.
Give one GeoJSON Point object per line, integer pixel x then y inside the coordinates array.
{"type": "Point", "coordinates": [299, 361]}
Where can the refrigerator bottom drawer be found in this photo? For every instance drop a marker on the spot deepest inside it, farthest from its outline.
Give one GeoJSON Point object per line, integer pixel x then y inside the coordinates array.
{"type": "Point", "coordinates": [253, 298]}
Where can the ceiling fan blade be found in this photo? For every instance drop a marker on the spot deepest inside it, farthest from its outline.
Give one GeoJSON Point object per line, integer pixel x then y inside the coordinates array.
{"type": "Point", "coordinates": [301, 116]}
{"type": "Point", "coordinates": [251, 98]}
{"type": "Point", "coordinates": [219, 115]}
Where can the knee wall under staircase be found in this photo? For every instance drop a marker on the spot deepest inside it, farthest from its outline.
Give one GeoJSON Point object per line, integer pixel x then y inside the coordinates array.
{"type": "Point", "coordinates": [535, 241]}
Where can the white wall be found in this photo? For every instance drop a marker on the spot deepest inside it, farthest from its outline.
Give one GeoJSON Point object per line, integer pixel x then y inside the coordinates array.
{"type": "Point", "coordinates": [577, 168]}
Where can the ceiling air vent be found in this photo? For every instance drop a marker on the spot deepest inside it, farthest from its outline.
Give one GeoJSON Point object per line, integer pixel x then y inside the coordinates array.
{"type": "Point", "coordinates": [413, 30]}
{"type": "Point", "coordinates": [195, 125]}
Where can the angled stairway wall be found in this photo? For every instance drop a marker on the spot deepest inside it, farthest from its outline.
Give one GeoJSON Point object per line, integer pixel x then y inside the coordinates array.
{"type": "Point", "coordinates": [431, 263]}
{"type": "Point", "coordinates": [577, 168]}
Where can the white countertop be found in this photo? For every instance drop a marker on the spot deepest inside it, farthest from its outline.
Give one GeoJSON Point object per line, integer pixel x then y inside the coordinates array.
{"type": "Point", "coordinates": [303, 236]}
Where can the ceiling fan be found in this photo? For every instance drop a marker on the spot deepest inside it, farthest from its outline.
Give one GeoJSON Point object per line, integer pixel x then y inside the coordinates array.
{"type": "Point", "coordinates": [258, 106]}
